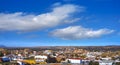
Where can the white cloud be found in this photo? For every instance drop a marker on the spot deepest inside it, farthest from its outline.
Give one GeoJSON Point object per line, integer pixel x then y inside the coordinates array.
{"type": "Point", "coordinates": [24, 22]}
{"type": "Point", "coordinates": [78, 32]}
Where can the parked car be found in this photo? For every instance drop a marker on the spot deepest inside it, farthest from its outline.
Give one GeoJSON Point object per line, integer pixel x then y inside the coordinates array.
{"type": "Point", "coordinates": [5, 59]}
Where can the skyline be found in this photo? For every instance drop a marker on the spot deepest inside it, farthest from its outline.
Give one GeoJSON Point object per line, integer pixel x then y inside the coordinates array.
{"type": "Point", "coordinates": [59, 23]}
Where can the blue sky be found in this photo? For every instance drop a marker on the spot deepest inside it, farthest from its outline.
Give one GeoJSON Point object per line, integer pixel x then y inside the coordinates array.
{"type": "Point", "coordinates": [59, 22]}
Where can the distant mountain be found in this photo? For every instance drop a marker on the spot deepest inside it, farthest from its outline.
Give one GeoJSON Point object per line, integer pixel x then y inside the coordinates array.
{"type": "Point", "coordinates": [2, 46]}
{"type": "Point", "coordinates": [113, 45]}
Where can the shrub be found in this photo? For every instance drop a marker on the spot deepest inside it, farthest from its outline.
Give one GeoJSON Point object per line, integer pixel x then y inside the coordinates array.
{"type": "Point", "coordinates": [117, 63]}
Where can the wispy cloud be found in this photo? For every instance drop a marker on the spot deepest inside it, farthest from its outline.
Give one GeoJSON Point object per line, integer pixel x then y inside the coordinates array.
{"type": "Point", "coordinates": [25, 22]}
{"type": "Point", "coordinates": [78, 32]}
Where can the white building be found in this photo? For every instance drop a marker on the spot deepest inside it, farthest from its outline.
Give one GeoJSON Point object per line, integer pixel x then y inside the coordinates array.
{"type": "Point", "coordinates": [40, 58]}
{"type": "Point", "coordinates": [106, 61]}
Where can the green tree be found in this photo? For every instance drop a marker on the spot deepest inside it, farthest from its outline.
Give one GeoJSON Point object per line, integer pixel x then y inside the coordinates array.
{"type": "Point", "coordinates": [117, 63]}
{"type": "Point", "coordinates": [93, 63]}
{"type": "Point", "coordinates": [1, 54]}
{"type": "Point", "coordinates": [96, 63]}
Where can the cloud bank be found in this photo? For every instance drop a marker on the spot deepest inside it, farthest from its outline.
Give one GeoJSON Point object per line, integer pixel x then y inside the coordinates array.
{"type": "Point", "coordinates": [78, 32]}
{"type": "Point", "coordinates": [26, 22]}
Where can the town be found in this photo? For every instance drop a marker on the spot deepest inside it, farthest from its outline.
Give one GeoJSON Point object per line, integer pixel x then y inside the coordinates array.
{"type": "Point", "coordinates": [61, 55]}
